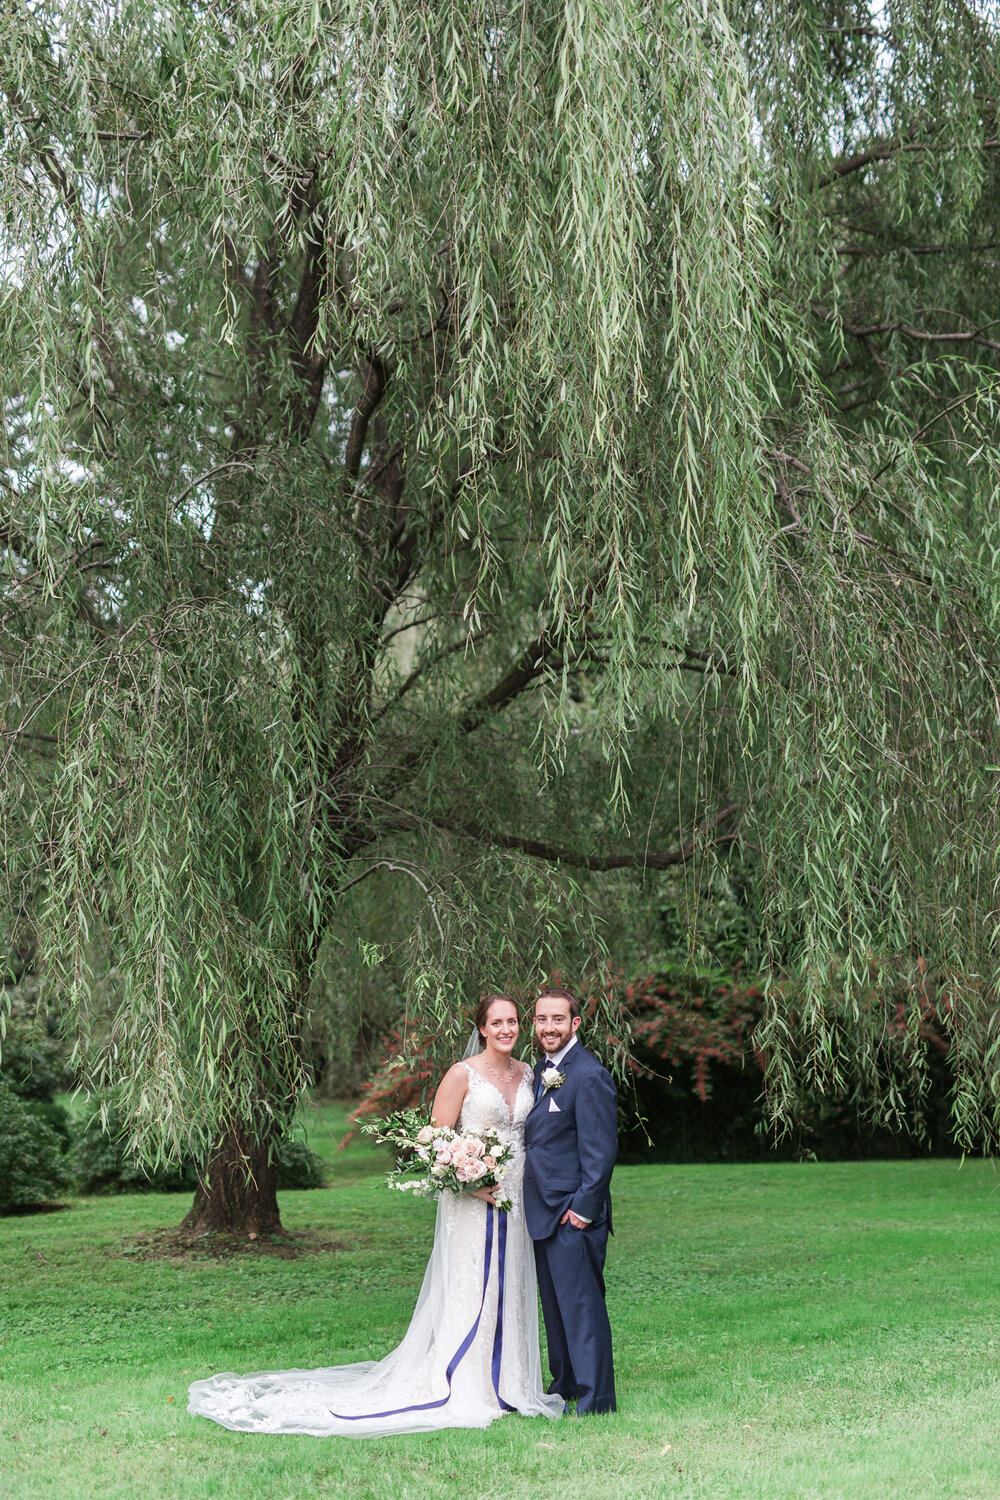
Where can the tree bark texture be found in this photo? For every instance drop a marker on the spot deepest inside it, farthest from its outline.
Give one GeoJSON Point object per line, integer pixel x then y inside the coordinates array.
{"type": "Point", "coordinates": [238, 1193]}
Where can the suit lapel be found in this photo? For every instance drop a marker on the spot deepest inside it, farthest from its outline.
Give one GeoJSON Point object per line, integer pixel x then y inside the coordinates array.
{"type": "Point", "coordinates": [543, 1063]}
{"type": "Point", "coordinates": [536, 1082]}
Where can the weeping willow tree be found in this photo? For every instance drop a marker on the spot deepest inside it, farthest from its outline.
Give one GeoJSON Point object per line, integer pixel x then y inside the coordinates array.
{"type": "Point", "coordinates": [468, 448]}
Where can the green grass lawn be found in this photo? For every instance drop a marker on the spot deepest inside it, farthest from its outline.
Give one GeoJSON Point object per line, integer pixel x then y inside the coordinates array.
{"type": "Point", "coordinates": [781, 1331]}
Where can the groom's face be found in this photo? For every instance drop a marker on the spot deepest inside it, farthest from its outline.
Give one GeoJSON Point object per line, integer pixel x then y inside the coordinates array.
{"type": "Point", "coordinates": [554, 1023]}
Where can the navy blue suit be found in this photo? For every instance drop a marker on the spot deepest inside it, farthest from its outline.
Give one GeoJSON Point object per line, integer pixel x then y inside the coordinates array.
{"type": "Point", "coordinates": [571, 1141]}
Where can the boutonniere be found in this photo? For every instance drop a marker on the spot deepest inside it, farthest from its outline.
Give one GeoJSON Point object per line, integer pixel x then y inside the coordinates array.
{"type": "Point", "coordinates": [552, 1079]}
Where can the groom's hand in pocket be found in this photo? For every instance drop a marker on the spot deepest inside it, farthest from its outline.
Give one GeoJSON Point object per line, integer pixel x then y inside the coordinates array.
{"type": "Point", "coordinates": [569, 1217]}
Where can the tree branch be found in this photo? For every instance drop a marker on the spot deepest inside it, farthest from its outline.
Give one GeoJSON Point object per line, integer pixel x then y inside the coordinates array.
{"type": "Point", "coordinates": [426, 666]}
{"type": "Point", "coordinates": [879, 251]}
{"type": "Point", "coordinates": [554, 854]}
{"type": "Point", "coordinates": [849, 164]}
{"type": "Point", "coordinates": [923, 335]}
{"type": "Point", "coordinates": [395, 868]}
{"type": "Point", "coordinates": [309, 362]}
{"type": "Point", "coordinates": [232, 463]}
{"type": "Point", "coordinates": [36, 744]}
{"type": "Point", "coordinates": [543, 655]}
{"type": "Point", "coordinates": [455, 614]}
{"type": "Point", "coordinates": [14, 541]}
{"type": "Point", "coordinates": [375, 379]}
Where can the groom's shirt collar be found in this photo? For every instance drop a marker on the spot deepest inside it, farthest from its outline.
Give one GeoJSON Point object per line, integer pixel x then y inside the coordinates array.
{"type": "Point", "coordinates": [555, 1058]}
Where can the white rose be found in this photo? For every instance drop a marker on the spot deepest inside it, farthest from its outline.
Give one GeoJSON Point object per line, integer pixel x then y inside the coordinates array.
{"type": "Point", "coordinates": [425, 1135]}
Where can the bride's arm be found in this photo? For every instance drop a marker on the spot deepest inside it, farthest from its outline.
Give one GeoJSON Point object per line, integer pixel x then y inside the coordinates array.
{"type": "Point", "coordinates": [448, 1106]}
{"type": "Point", "coordinates": [451, 1092]}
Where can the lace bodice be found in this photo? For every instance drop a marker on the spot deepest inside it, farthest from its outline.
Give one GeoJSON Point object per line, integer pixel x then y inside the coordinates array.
{"type": "Point", "coordinates": [485, 1108]}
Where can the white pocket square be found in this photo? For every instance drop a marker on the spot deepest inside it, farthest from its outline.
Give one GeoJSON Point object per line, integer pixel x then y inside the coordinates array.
{"type": "Point", "coordinates": [554, 1108]}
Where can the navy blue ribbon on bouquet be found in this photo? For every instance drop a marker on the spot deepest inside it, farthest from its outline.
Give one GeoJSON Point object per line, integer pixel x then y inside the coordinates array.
{"type": "Point", "coordinates": [467, 1342]}
{"type": "Point", "coordinates": [498, 1334]}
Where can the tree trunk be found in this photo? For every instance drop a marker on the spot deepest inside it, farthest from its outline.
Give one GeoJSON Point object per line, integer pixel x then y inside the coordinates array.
{"type": "Point", "coordinates": [237, 1190]}
{"type": "Point", "coordinates": [238, 1193]}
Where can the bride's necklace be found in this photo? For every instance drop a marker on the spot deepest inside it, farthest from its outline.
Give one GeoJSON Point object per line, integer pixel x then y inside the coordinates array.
{"type": "Point", "coordinates": [500, 1077]}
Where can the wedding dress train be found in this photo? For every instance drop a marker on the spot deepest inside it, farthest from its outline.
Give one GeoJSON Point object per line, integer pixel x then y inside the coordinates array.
{"type": "Point", "coordinates": [471, 1351]}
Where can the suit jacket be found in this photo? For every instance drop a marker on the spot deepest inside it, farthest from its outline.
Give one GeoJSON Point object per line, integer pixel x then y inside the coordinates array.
{"type": "Point", "coordinates": [570, 1149]}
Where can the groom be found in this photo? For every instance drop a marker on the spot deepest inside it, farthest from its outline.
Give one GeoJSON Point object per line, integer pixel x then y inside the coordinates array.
{"type": "Point", "coordinates": [571, 1140]}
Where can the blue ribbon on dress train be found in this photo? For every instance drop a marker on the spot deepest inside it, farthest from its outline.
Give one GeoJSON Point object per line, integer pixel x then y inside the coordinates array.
{"type": "Point", "coordinates": [466, 1343]}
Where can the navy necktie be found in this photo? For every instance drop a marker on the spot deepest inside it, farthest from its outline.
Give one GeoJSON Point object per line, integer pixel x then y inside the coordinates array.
{"type": "Point", "coordinates": [547, 1062]}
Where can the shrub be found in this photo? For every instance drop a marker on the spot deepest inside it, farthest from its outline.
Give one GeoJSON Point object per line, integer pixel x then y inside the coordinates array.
{"type": "Point", "coordinates": [698, 1081]}
{"type": "Point", "coordinates": [702, 1018]}
{"type": "Point", "coordinates": [56, 1118]}
{"type": "Point", "coordinates": [101, 1162]}
{"type": "Point", "coordinates": [33, 1063]}
{"type": "Point", "coordinates": [299, 1167]}
{"type": "Point", "coordinates": [32, 1166]}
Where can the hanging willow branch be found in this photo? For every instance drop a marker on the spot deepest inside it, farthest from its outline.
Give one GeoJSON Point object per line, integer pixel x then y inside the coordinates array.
{"type": "Point", "coordinates": [422, 417]}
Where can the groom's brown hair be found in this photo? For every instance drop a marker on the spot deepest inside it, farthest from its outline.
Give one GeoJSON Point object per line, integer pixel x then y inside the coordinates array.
{"type": "Point", "coordinates": [553, 992]}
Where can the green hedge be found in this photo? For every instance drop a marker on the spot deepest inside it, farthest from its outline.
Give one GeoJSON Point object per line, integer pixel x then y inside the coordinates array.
{"type": "Point", "coordinates": [100, 1162]}
{"type": "Point", "coordinates": [32, 1166]}
{"type": "Point", "coordinates": [34, 1064]}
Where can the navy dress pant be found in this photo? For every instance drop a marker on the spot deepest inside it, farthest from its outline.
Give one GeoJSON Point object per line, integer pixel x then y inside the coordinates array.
{"type": "Point", "coordinates": [570, 1265]}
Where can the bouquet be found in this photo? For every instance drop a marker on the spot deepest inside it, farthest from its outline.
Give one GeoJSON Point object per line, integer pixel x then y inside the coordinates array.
{"type": "Point", "coordinates": [432, 1159]}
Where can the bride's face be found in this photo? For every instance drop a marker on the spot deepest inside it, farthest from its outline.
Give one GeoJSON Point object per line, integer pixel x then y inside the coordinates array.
{"type": "Point", "coordinates": [500, 1031]}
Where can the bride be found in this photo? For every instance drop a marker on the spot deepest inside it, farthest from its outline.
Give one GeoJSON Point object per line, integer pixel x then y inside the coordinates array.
{"type": "Point", "coordinates": [471, 1350]}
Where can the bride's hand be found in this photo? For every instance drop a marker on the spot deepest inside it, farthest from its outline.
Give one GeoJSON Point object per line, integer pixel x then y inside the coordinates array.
{"type": "Point", "coordinates": [486, 1194]}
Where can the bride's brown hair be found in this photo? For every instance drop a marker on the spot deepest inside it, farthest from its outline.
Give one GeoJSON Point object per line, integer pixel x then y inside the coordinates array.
{"type": "Point", "coordinates": [483, 1009]}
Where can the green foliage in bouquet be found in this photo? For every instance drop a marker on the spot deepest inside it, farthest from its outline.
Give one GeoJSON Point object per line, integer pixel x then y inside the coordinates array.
{"type": "Point", "coordinates": [434, 1159]}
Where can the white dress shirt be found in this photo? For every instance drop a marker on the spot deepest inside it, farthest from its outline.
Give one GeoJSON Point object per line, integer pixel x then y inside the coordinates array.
{"type": "Point", "coordinates": [553, 1059]}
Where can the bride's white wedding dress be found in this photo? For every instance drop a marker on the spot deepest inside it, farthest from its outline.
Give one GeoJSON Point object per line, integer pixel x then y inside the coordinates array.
{"type": "Point", "coordinates": [471, 1350]}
